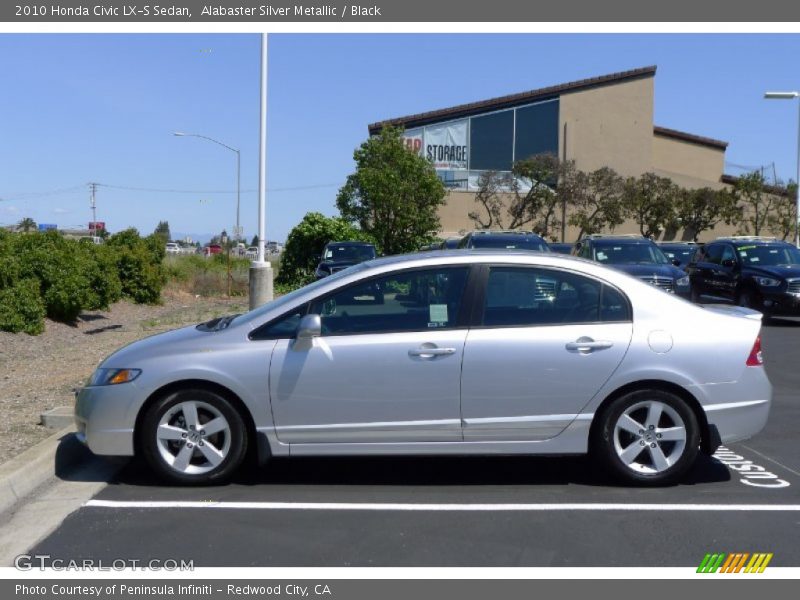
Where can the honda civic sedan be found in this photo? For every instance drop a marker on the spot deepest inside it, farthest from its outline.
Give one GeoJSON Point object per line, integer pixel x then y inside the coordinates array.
{"type": "Point", "coordinates": [464, 352]}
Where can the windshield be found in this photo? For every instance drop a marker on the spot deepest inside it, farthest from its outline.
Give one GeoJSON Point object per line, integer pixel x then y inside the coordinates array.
{"type": "Point", "coordinates": [287, 299]}
{"type": "Point", "coordinates": [344, 252]}
{"type": "Point", "coordinates": [769, 255]}
{"type": "Point", "coordinates": [510, 242]}
{"type": "Point", "coordinates": [640, 254]}
{"type": "Point", "coordinates": [683, 254]}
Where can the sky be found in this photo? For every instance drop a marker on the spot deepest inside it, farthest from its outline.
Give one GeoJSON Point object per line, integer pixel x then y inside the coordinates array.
{"type": "Point", "coordinates": [80, 108]}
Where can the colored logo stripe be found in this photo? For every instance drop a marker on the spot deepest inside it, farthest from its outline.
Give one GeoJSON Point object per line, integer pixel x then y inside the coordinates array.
{"type": "Point", "coordinates": [733, 563]}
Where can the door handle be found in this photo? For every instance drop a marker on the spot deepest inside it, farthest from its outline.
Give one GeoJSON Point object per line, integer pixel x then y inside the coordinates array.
{"type": "Point", "coordinates": [430, 352]}
{"type": "Point", "coordinates": [587, 344]}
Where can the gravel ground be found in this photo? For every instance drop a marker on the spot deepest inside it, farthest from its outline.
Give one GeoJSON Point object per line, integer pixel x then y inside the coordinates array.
{"type": "Point", "coordinates": [38, 373]}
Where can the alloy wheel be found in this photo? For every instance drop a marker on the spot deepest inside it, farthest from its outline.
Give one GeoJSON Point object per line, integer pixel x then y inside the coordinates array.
{"type": "Point", "coordinates": [193, 437]}
{"type": "Point", "coordinates": [649, 437]}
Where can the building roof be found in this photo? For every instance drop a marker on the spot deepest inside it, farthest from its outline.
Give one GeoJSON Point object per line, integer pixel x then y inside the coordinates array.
{"type": "Point", "coordinates": [778, 190]}
{"type": "Point", "coordinates": [689, 137]}
{"type": "Point", "coordinates": [465, 110]}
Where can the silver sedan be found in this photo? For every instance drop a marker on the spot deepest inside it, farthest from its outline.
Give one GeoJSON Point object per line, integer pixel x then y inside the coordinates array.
{"type": "Point", "coordinates": [459, 352]}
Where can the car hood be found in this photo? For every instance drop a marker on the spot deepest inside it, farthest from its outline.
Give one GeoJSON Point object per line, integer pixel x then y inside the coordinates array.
{"type": "Point", "coordinates": [776, 270]}
{"type": "Point", "coordinates": [638, 270]}
{"type": "Point", "coordinates": [186, 339]}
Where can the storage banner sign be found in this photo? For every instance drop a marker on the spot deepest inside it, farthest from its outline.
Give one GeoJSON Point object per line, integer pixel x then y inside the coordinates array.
{"type": "Point", "coordinates": [444, 145]}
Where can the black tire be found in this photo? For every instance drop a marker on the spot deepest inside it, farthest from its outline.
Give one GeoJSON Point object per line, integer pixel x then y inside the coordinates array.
{"type": "Point", "coordinates": [209, 405]}
{"type": "Point", "coordinates": [748, 299]}
{"type": "Point", "coordinates": [604, 447]}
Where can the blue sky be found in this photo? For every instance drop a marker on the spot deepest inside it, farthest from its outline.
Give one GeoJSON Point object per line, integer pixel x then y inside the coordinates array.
{"type": "Point", "coordinates": [81, 108]}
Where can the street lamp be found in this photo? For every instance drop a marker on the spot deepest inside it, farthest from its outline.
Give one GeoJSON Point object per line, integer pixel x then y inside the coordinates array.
{"type": "Point", "coordinates": [792, 96]}
{"type": "Point", "coordinates": [238, 231]}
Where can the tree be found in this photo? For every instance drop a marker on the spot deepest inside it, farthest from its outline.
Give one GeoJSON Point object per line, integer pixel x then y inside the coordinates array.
{"type": "Point", "coordinates": [491, 187]}
{"type": "Point", "coordinates": [394, 194]}
{"type": "Point", "coordinates": [702, 209]}
{"type": "Point", "coordinates": [650, 201]}
{"type": "Point", "coordinates": [783, 220]}
{"type": "Point", "coordinates": [162, 230]}
{"type": "Point", "coordinates": [597, 201]}
{"type": "Point", "coordinates": [26, 224]}
{"type": "Point", "coordinates": [755, 203]}
{"type": "Point", "coordinates": [254, 241]}
{"type": "Point", "coordinates": [305, 243]}
{"type": "Point", "coordinates": [546, 182]}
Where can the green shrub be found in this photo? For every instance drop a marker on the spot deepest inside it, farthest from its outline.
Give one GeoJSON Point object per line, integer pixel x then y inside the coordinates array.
{"type": "Point", "coordinates": [60, 266]}
{"type": "Point", "coordinates": [305, 243]}
{"type": "Point", "coordinates": [22, 308]}
{"type": "Point", "coordinates": [139, 265]}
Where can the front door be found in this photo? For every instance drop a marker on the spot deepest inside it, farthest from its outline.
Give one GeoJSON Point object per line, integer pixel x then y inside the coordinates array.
{"type": "Point", "coordinates": [547, 342]}
{"type": "Point", "coordinates": [386, 368]}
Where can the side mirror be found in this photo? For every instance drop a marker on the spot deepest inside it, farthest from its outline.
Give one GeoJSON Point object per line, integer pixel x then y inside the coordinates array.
{"type": "Point", "coordinates": [728, 263]}
{"type": "Point", "coordinates": [676, 262]}
{"type": "Point", "coordinates": [310, 327]}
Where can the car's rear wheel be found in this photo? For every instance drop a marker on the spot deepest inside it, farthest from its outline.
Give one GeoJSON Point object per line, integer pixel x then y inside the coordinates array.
{"type": "Point", "coordinates": [193, 436]}
{"type": "Point", "coordinates": [647, 437]}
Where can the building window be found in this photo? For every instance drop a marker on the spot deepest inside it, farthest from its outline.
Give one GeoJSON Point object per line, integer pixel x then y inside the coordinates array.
{"type": "Point", "coordinates": [492, 141]}
{"type": "Point", "coordinates": [536, 130]}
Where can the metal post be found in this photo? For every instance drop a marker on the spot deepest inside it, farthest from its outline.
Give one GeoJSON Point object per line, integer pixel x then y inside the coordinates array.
{"type": "Point", "coordinates": [260, 270]}
{"type": "Point", "coordinates": [797, 185]}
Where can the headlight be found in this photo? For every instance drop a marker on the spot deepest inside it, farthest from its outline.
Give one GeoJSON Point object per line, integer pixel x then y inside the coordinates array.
{"type": "Point", "coordinates": [113, 376]}
{"type": "Point", "coordinates": [682, 282]}
{"type": "Point", "coordinates": [767, 281]}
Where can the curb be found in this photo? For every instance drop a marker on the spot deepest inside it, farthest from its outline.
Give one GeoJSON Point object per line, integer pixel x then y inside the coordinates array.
{"type": "Point", "coordinates": [24, 473]}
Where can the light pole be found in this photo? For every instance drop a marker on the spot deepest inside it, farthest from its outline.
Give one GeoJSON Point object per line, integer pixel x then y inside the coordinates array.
{"type": "Point", "coordinates": [237, 233]}
{"type": "Point", "coordinates": [792, 96]}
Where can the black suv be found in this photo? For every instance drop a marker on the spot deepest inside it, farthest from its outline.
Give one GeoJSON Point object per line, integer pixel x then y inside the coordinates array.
{"type": "Point", "coordinates": [756, 272]}
{"type": "Point", "coordinates": [636, 255]}
{"type": "Point", "coordinates": [340, 255]}
{"type": "Point", "coordinates": [507, 240]}
{"type": "Point", "coordinates": [680, 251]}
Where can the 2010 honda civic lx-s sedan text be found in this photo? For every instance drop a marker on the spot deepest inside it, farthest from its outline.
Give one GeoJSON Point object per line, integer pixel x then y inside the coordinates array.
{"type": "Point", "coordinates": [479, 352]}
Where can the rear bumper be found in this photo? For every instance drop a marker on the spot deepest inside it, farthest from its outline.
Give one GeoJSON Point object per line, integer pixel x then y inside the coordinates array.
{"type": "Point", "coordinates": [738, 410]}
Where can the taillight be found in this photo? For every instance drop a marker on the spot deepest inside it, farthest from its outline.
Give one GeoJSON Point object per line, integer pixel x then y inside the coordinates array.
{"type": "Point", "coordinates": [755, 359]}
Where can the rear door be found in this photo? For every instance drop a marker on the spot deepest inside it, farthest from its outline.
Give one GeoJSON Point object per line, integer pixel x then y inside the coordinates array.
{"type": "Point", "coordinates": [546, 342]}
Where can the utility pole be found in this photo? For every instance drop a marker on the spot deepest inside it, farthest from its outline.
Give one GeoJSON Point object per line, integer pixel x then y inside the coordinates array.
{"type": "Point", "coordinates": [93, 228]}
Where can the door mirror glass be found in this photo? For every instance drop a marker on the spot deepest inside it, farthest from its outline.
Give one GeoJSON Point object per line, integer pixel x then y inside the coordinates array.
{"type": "Point", "coordinates": [728, 263]}
{"type": "Point", "coordinates": [310, 327]}
{"type": "Point", "coordinates": [676, 262]}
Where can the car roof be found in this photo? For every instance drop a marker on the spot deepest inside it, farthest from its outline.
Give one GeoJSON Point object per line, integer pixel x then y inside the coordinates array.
{"type": "Point", "coordinates": [607, 241]}
{"type": "Point", "coordinates": [752, 242]}
{"type": "Point", "coordinates": [348, 243]}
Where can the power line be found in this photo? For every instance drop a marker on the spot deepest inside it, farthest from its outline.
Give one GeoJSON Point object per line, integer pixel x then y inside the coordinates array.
{"type": "Point", "coordinates": [177, 191]}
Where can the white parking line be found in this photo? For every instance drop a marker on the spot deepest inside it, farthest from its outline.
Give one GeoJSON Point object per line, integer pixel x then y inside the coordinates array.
{"type": "Point", "coordinates": [396, 506]}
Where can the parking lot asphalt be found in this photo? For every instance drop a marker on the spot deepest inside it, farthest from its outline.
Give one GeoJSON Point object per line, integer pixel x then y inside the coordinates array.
{"type": "Point", "coordinates": [453, 511]}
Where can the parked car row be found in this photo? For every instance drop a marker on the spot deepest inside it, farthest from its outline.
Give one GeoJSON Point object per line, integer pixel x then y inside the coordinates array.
{"type": "Point", "coordinates": [756, 272]}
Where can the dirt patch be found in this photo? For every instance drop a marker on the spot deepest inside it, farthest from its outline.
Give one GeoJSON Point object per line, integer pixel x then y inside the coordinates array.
{"type": "Point", "coordinates": [38, 373]}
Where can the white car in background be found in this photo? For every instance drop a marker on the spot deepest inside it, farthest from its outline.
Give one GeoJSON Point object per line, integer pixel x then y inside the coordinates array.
{"type": "Point", "coordinates": [173, 248]}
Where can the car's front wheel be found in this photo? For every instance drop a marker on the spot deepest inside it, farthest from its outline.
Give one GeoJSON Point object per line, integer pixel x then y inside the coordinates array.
{"type": "Point", "coordinates": [647, 437]}
{"type": "Point", "coordinates": [193, 436]}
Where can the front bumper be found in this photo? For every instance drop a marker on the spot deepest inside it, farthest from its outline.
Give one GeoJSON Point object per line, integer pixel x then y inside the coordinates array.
{"type": "Point", "coordinates": [105, 417]}
{"type": "Point", "coordinates": [779, 303]}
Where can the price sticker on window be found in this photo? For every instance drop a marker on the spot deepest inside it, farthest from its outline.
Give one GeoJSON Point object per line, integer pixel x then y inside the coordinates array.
{"type": "Point", "coordinates": [438, 313]}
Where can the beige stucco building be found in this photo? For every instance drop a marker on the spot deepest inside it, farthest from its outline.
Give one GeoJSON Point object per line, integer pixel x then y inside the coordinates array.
{"type": "Point", "coordinates": [603, 121]}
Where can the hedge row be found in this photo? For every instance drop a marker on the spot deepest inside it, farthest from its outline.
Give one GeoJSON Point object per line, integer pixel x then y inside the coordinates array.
{"type": "Point", "coordinates": [45, 274]}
